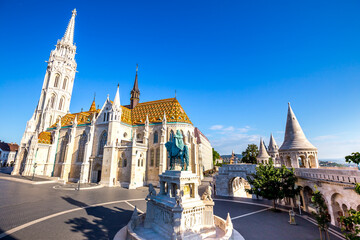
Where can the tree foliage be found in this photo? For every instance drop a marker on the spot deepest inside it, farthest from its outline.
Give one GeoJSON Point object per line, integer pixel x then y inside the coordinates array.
{"type": "Point", "coordinates": [273, 183]}
{"type": "Point", "coordinates": [322, 215]}
{"type": "Point", "coordinates": [353, 158]}
{"type": "Point", "coordinates": [250, 153]}
{"type": "Point", "coordinates": [216, 155]}
{"type": "Point", "coordinates": [351, 225]}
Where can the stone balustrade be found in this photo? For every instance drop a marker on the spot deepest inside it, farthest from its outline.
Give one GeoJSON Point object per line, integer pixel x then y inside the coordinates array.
{"type": "Point", "coordinates": [330, 175]}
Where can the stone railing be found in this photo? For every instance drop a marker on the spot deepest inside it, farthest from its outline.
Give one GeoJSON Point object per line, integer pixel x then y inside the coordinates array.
{"type": "Point", "coordinates": [330, 175]}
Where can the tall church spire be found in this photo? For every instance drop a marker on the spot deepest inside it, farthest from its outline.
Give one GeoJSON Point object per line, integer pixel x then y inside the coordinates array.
{"type": "Point", "coordinates": [135, 92]}
{"type": "Point", "coordinates": [117, 98]}
{"type": "Point", "coordinates": [294, 135]}
{"type": "Point", "coordinates": [69, 34]}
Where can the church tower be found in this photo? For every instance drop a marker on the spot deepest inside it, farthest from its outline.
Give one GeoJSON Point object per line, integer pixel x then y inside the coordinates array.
{"type": "Point", "coordinates": [59, 80]}
{"type": "Point", "coordinates": [135, 92]}
{"type": "Point", "coordinates": [55, 95]}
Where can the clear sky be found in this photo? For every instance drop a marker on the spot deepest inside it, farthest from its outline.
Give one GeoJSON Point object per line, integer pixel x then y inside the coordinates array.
{"type": "Point", "coordinates": [235, 64]}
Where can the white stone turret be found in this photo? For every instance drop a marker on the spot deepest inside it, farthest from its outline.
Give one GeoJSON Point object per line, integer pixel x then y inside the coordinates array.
{"type": "Point", "coordinates": [273, 150]}
{"type": "Point", "coordinates": [296, 151]}
{"type": "Point", "coordinates": [263, 156]}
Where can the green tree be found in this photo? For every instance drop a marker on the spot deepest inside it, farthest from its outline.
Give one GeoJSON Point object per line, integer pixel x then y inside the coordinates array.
{"type": "Point", "coordinates": [321, 215]}
{"type": "Point", "coordinates": [351, 223]}
{"type": "Point", "coordinates": [353, 158]}
{"type": "Point", "coordinates": [216, 155]}
{"type": "Point", "coordinates": [273, 183]}
{"type": "Point", "coordinates": [249, 155]}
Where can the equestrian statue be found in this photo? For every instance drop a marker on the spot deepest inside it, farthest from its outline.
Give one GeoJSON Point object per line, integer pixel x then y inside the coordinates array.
{"type": "Point", "coordinates": [178, 150]}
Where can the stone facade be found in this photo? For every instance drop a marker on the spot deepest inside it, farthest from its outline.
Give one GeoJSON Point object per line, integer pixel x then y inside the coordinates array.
{"type": "Point", "coordinates": [115, 144]}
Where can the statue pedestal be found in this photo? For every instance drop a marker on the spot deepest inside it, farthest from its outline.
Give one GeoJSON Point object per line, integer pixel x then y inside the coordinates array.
{"type": "Point", "coordinates": [177, 212]}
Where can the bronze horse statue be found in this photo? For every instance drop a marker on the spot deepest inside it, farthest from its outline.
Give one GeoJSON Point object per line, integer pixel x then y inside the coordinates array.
{"type": "Point", "coordinates": [178, 150]}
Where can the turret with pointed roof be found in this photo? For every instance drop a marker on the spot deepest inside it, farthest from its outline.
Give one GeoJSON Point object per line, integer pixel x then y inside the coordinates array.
{"type": "Point", "coordinates": [296, 150]}
{"type": "Point", "coordinates": [294, 135]}
{"type": "Point", "coordinates": [273, 150]}
{"type": "Point", "coordinates": [263, 156]}
{"type": "Point", "coordinates": [135, 92]}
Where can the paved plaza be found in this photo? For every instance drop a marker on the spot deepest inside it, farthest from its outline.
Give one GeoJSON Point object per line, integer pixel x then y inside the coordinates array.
{"type": "Point", "coordinates": [43, 212]}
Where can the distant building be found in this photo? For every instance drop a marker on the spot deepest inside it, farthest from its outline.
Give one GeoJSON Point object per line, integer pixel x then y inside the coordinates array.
{"type": "Point", "coordinates": [231, 159]}
{"type": "Point", "coordinates": [8, 152]}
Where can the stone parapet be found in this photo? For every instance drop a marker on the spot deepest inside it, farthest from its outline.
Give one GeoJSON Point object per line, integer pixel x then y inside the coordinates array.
{"type": "Point", "coordinates": [329, 175]}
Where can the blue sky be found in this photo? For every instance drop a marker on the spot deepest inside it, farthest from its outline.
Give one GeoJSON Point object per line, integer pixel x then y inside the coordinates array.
{"type": "Point", "coordinates": [235, 64]}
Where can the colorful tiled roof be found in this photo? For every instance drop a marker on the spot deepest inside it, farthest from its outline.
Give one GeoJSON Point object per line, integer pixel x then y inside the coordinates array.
{"type": "Point", "coordinates": [82, 118]}
{"type": "Point", "coordinates": [45, 138]}
{"type": "Point", "coordinates": [155, 110]}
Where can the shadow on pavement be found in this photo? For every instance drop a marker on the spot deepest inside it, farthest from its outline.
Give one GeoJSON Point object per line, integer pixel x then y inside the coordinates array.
{"type": "Point", "coordinates": [101, 223]}
{"type": "Point", "coordinates": [7, 237]}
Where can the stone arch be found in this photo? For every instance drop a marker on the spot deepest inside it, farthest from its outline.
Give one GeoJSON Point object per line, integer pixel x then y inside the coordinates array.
{"type": "Point", "coordinates": [57, 80]}
{"type": "Point", "coordinates": [301, 161]}
{"type": "Point", "coordinates": [345, 210]}
{"type": "Point", "coordinates": [312, 161]}
{"type": "Point", "coordinates": [52, 101]}
{"type": "Point", "coordinates": [61, 103]}
{"type": "Point", "coordinates": [307, 195]}
{"type": "Point", "coordinates": [288, 161]}
{"type": "Point", "coordinates": [64, 83]}
{"type": "Point", "coordinates": [237, 187]}
{"type": "Point", "coordinates": [336, 200]}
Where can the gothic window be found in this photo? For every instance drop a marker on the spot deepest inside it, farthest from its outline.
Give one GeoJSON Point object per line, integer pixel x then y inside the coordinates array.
{"type": "Point", "coordinates": [171, 136]}
{"type": "Point", "coordinates": [61, 103]}
{"type": "Point", "coordinates": [152, 157]}
{"type": "Point", "coordinates": [57, 79]}
{"type": "Point", "coordinates": [64, 84]}
{"type": "Point", "coordinates": [189, 137]}
{"type": "Point", "coordinates": [52, 101]}
{"type": "Point", "coordinates": [82, 142]}
{"type": "Point", "coordinates": [157, 158]}
{"type": "Point", "coordinates": [107, 119]}
{"type": "Point", "coordinates": [63, 147]}
{"type": "Point", "coordinates": [104, 116]}
{"type": "Point", "coordinates": [156, 137]}
{"type": "Point", "coordinates": [102, 143]}
{"type": "Point", "coordinates": [139, 162]}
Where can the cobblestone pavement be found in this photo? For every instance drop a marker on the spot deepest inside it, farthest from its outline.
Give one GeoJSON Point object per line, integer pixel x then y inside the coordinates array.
{"type": "Point", "coordinates": [99, 213]}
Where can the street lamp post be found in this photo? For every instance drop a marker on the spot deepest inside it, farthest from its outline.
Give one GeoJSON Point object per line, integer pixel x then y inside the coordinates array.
{"type": "Point", "coordinates": [35, 165]}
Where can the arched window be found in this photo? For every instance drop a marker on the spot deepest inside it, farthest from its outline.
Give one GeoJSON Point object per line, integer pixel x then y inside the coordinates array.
{"type": "Point", "coordinates": [64, 84]}
{"type": "Point", "coordinates": [57, 79]}
{"type": "Point", "coordinates": [156, 137]}
{"type": "Point", "coordinates": [171, 136]}
{"type": "Point", "coordinates": [63, 147]}
{"type": "Point", "coordinates": [52, 101]}
{"type": "Point", "coordinates": [189, 137]}
{"type": "Point", "coordinates": [61, 103]}
{"type": "Point", "coordinates": [102, 143]}
{"type": "Point", "coordinates": [152, 157]}
{"type": "Point", "coordinates": [82, 142]}
{"type": "Point", "coordinates": [157, 158]}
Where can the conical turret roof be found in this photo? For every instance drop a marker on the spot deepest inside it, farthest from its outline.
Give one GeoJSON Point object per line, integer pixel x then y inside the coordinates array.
{"type": "Point", "coordinates": [263, 154]}
{"type": "Point", "coordinates": [294, 135]}
{"type": "Point", "coordinates": [273, 147]}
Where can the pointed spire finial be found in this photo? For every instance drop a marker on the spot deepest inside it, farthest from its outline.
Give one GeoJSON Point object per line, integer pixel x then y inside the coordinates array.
{"type": "Point", "coordinates": [69, 34]}
{"type": "Point", "coordinates": [137, 68]}
{"type": "Point", "coordinates": [117, 97]}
